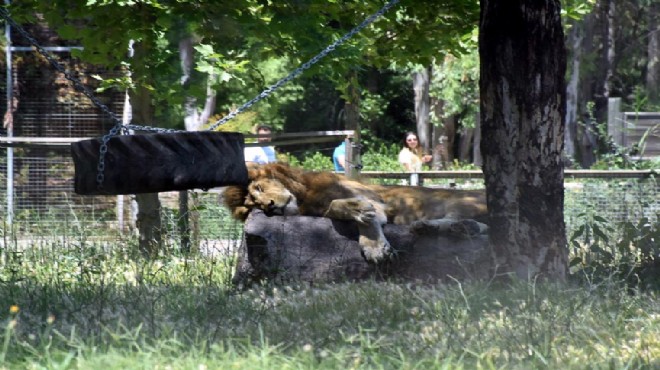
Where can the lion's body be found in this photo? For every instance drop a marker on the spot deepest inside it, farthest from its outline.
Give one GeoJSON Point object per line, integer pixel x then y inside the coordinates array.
{"type": "Point", "coordinates": [279, 189]}
{"type": "Point", "coordinates": [407, 204]}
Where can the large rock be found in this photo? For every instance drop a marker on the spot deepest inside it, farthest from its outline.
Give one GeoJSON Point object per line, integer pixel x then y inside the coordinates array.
{"type": "Point", "coordinates": [316, 249]}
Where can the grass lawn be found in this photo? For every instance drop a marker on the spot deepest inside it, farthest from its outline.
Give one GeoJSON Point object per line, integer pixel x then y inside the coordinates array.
{"type": "Point", "coordinates": [79, 310]}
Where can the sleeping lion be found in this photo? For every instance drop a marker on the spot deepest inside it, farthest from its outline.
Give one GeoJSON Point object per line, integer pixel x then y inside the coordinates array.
{"type": "Point", "coordinates": [278, 189]}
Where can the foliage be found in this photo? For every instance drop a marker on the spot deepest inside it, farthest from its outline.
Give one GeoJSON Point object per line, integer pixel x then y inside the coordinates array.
{"type": "Point", "coordinates": [238, 43]}
{"type": "Point", "coordinates": [382, 158]}
{"type": "Point", "coordinates": [455, 82]}
{"type": "Point", "coordinates": [576, 9]}
{"type": "Point", "coordinates": [610, 155]}
{"type": "Point", "coordinates": [312, 161]}
{"type": "Point", "coordinates": [243, 123]}
{"type": "Point", "coordinates": [632, 258]}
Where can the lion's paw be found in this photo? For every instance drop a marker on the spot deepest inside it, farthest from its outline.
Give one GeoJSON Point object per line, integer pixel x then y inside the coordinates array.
{"type": "Point", "coordinates": [365, 216]}
{"type": "Point", "coordinates": [377, 254]}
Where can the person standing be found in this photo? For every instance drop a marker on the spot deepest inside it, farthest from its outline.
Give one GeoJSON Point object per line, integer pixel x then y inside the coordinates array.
{"type": "Point", "coordinates": [339, 157]}
{"type": "Point", "coordinates": [411, 156]}
{"type": "Point", "coordinates": [264, 153]}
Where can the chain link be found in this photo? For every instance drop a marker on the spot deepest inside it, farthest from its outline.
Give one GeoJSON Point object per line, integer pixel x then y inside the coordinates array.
{"type": "Point", "coordinates": [114, 131]}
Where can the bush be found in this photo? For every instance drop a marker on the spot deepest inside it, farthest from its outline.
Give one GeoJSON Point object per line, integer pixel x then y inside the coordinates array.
{"type": "Point", "coordinates": [632, 258]}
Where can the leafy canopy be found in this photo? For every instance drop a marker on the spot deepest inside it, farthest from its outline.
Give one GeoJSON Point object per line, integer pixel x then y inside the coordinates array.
{"type": "Point", "coordinates": [235, 39]}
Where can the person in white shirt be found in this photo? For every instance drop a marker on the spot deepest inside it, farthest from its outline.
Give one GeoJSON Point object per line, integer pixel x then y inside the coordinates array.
{"type": "Point", "coordinates": [261, 154]}
{"type": "Point", "coordinates": [411, 156]}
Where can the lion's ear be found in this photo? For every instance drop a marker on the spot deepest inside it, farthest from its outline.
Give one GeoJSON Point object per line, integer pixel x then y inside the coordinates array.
{"type": "Point", "coordinates": [253, 170]}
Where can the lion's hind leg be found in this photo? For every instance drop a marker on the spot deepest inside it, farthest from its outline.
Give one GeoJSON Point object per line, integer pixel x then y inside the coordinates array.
{"type": "Point", "coordinates": [370, 217]}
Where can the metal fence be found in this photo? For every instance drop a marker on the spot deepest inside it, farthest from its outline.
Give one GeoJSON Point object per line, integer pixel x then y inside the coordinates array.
{"type": "Point", "coordinates": [47, 206]}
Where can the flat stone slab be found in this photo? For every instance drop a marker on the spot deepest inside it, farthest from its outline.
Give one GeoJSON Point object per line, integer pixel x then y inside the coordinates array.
{"type": "Point", "coordinates": [288, 249]}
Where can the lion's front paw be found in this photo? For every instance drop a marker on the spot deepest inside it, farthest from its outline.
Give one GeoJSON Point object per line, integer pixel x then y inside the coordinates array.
{"type": "Point", "coordinates": [376, 253]}
{"type": "Point", "coordinates": [366, 215]}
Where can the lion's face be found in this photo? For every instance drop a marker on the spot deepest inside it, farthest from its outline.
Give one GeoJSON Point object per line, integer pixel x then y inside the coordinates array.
{"type": "Point", "coordinates": [272, 197]}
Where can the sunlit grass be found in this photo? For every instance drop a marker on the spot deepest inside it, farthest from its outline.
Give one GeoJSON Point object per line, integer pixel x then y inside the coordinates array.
{"type": "Point", "coordinates": [83, 310]}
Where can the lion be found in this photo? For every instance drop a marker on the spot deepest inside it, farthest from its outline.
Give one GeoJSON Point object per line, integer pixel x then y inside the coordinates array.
{"type": "Point", "coordinates": [278, 189]}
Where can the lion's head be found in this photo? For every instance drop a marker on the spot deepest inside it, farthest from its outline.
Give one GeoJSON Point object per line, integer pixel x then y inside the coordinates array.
{"type": "Point", "coordinates": [272, 197]}
{"type": "Point", "coordinates": [274, 188]}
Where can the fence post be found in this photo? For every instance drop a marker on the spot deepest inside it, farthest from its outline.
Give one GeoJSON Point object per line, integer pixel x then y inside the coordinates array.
{"type": "Point", "coordinates": [615, 121]}
{"type": "Point", "coordinates": [352, 158]}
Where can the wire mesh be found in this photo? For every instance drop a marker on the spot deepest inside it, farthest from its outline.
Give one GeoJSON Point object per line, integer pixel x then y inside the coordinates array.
{"type": "Point", "coordinates": [46, 204]}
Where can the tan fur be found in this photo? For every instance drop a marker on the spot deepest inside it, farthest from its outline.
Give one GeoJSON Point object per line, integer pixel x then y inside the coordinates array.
{"type": "Point", "coordinates": [278, 189]}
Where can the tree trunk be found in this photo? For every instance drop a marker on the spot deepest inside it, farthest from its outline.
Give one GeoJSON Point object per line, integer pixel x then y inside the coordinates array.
{"type": "Point", "coordinates": [421, 83]}
{"type": "Point", "coordinates": [609, 52]}
{"type": "Point", "coordinates": [587, 92]}
{"type": "Point", "coordinates": [523, 64]}
{"type": "Point", "coordinates": [149, 208]}
{"type": "Point", "coordinates": [193, 121]}
{"type": "Point", "coordinates": [441, 149]}
{"type": "Point", "coordinates": [352, 109]}
{"type": "Point", "coordinates": [653, 52]}
{"type": "Point", "coordinates": [465, 144]}
{"type": "Point", "coordinates": [477, 159]}
{"type": "Point", "coordinates": [572, 99]}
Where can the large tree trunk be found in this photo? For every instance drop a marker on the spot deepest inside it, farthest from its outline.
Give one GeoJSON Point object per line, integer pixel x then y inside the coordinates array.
{"type": "Point", "coordinates": [421, 83]}
{"type": "Point", "coordinates": [523, 62]}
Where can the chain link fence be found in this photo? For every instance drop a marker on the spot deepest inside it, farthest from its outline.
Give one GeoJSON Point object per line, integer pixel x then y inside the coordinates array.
{"type": "Point", "coordinates": [47, 207]}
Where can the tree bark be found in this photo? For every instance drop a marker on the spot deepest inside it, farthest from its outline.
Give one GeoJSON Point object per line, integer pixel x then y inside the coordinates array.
{"type": "Point", "coordinates": [193, 121]}
{"type": "Point", "coordinates": [653, 53]}
{"type": "Point", "coordinates": [586, 140]}
{"type": "Point", "coordinates": [352, 110]}
{"type": "Point", "coordinates": [477, 158]}
{"type": "Point", "coordinates": [523, 64]}
{"type": "Point", "coordinates": [149, 209]}
{"type": "Point", "coordinates": [572, 98]}
{"type": "Point", "coordinates": [421, 83]}
{"type": "Point", "coordinates": [609, 52]}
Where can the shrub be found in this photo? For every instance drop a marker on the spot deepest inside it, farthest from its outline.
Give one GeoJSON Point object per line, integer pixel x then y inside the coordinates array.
{"type": "Point", "coordinates": [632, 258]}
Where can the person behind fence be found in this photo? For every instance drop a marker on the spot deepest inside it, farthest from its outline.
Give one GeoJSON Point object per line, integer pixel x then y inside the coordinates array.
{"type": "Point", "coordinates": [264, 153]}
{"type": "Point", "coordinates": [411, 156]}
{"type": "Point", "coordinates": [339, 157]}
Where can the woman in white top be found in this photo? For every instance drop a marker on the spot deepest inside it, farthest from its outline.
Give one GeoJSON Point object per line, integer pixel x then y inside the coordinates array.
{"type": "Point", "coordinates": [411, 156]}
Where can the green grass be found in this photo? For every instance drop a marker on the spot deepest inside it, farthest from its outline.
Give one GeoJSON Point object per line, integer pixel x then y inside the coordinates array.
{"type": "Point", "coordinates": [83, 310]}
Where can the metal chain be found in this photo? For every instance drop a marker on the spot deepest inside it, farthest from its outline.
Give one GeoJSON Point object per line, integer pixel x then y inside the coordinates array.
{"type": "Point", "coordinates": [103, 149]}
{"type": "Point", "coordinates": [78, 85]}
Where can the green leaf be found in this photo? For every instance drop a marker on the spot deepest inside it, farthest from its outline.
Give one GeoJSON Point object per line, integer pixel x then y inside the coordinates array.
{"type": "Point", "coordinates": [68, 32]}
{"type": "Point", "coordinates": [600, 219]}
{"type": "Point", "coordinates": [599, 233]}
{"type": "Point", "coordinates": [575, 261]}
